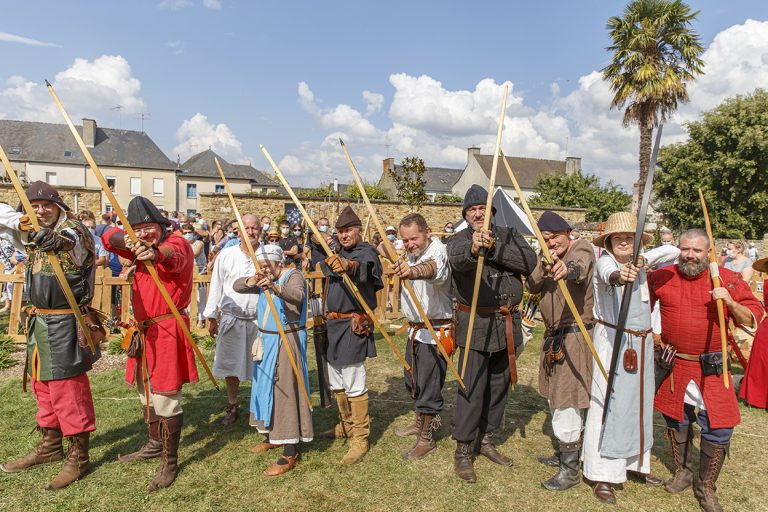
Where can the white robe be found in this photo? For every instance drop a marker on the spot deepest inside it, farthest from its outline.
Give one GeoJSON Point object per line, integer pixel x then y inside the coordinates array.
{"type": "Point", "coordinates": [235, 312]}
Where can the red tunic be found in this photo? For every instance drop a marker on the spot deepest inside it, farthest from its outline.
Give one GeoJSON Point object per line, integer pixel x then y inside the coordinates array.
{"type": "Point", "coordinates": [754, 387]}
{"type": "Point", "coordinates": [170, 359]}
{"type": "Point", "coordinates": [689, 323]}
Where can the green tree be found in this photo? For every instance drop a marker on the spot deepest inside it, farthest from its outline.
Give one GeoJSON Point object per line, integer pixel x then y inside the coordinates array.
{"type": "Point", "coordinates": [373, 190]}
{"type": "Point", "coordinates": [448, 198]}
{"type": "Point", "coordinates": [321, 191]}
{"type": "Point", "coordinates": [655, 54]}
{"type": "Point", "coordinates": [410, 183]}
{"type": "Point", "coordinates": [727, 156]}
{"type": "Point", "coordinates": [579, 191]}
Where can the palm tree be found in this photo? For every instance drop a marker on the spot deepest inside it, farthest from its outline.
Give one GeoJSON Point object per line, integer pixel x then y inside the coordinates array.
{"type": "Point", "coordinates": [655, 53]}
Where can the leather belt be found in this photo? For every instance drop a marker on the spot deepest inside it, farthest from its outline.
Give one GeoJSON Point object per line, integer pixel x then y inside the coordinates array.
{"type": "Point", "coordinates": [435, 323]}
{"type": "Point", "coordinates": [633, 332]}
{"type": "Point", "coordinates": [144, 324]}
{"type": "Point", "coordinates": [40, 311]}
{"type": "Point", "coordinates": [568, 329]}
{"type": "Point", "coordinates": [335, 315]}
{"type": "Point", "coordinates": [687, 357]}
{"type": "Point", "coordinates": [286, 331]}
{"type": "Point", "coordinates": [506, 312]}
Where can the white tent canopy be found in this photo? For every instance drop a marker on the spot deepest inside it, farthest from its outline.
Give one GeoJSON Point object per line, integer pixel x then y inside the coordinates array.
{"type": "Point", "coordinates": [508, 214]}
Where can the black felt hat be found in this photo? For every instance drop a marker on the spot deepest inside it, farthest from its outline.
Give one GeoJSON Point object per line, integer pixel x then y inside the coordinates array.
{"type": "Point", "coordinates": [348, 218]}
{"type": "Point", "coordinates": [550, 221]}
{"type": "Point", "coordinates": [41, 191]}
{"type": "Point", "coordinates": [141, 211]}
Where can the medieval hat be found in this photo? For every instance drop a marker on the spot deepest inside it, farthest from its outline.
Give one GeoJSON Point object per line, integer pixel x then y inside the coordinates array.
{"type": "Point", "coordinates": [761, 265]}
{"type": "Point", "coordinates": [475, 195]}
{"type": "Point", "coordinates": [348, 218]}
{"type": "Point", "coordinates": [142, 211]}
{"type": "Point", "coordinates": [270, 253]}
{"type": "Point", "coordinates": [620, 222]}
{"type": "Point", "coordinates": [552, 222]}
{"type": "Point", "coordinates": [41, 191]}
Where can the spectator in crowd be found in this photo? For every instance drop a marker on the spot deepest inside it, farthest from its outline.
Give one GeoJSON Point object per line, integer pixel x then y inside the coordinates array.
{"type": "Point", "coordinates": [313, 251]}
{"type": "Point", "coordinates": [266, 223]}
{"type": "Point", "coordinates": [201, 262]}
{"type": "Point", "coordinates": [376, 240]}
{"type": "Point", "coordinates": [89, 221]}
{"type": "Point", "coordinates": [448, 232]}
{"type": "Point", "coordinates": [288, 243]}
{"type": "Point", "coordinates": [752, 252]}
{"type": "Point", "coordinates": [6, 258]}
{"type": "Point", "coordinates": [107, 221]}
{"type": "Point", "coordinates": [737, 260]}
{"type": "Point", "coordinates": [667, 238]}
{"type": "Point", "coordinates": [392, 237]}
{"type": "Point", "coordinates": [200, 220]}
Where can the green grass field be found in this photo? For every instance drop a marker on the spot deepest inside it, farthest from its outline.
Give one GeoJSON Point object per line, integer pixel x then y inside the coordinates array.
{"type": "Point", "coordinates": [219, 473]}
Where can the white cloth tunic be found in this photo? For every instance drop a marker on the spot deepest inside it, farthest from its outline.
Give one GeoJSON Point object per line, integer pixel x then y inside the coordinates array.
{"type": "Point", "coordinates": [235, 312]}
{"type": "Point", "coordinates": [434, 293]}
{"type": "Point", "coordinates": [624, 436]}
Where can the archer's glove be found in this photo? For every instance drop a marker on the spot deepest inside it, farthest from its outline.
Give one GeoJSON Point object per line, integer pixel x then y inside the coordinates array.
{"type": "Point", "coordinates": [49, 240]}
{"type": "Point", "coordinates": [25, 224]}
{"type": "Point", "coordinates": [340, 265]}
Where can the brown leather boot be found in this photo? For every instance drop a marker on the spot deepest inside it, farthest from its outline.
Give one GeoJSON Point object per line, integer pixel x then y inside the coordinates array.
{"type": "Point", "coordinates": [154, 446]}
{"type": "Point", "coordinates": [414, 429]}
{"type": "Point", "coordinates": [361, 429]}
{"type": "Point", "coordinates": [77, 464]}
{"type": "Point", "coordinates": [711, 461]}
{"type": "Point", "coordinates": [342, 429]}
{"type": "Point", "coordinates": [48, 450]}
{"type": "Point", "coordinates": [425, 444]}
{"type": "Point", "coordinates": [681, 444]}
{"type": "Point", "coordinates": [280, 469]}
{"type": "Point", "coordinates": [463, 462]}
{"type": "Point", "coordinates": [569, 474]}
{"type": "Point", "coordinates": [488, 449]}
{"type": "Point", "coordinates": [604, 493]}
{"type": "Point", "coordinates": [233, 412]}
{"type": "Point", "coordinates": [170, 434]}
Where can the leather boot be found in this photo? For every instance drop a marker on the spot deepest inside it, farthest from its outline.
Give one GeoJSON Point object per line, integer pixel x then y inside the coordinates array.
{"type": "Point", "coordinates": [681, 444]}
{"type": "Point", "coordinates": [425, 444]}
{"type": "Point", "coordinates": [360, 430]}
{"type": "Point", "coordinates": [170, 434]}
{"type": "Point", "coordinates": [569, 473]}
{"type": "Point", "coordinates": [414, 429]}
{"type": "Point", "coordinates": [280, 469]}
{"type": "Point", "coordinates": [463, 462]}
{"type": "Point", "coordinates": [48, 450]}
{"type": "Point", "coordinates": [551, 460]}
{"type": "Point", "coordinates": [77, 464]}
{"type": "Point", "coordinates": [488, 449]}
{"type": "Point", "coordinates": [154, 446]}
{"type": "Point", "coordinates": [711, 461]}
{"type": "Point", "coordinates": [603, 491]}
{"type": "Point", "coordinates": [233, 412]}
{"type": "Point", "coordinates": [342, 429]}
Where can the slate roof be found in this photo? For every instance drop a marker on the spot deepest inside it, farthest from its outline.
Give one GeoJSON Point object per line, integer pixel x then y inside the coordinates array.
{"type": "Point", "coordinates": [202, 165]}
{"type": "Point", "coordinates": [527, 170]}
{"type": "Point", "coordinates": [30, 141]}
{"type": "Point", "coordinates": [439, 180]}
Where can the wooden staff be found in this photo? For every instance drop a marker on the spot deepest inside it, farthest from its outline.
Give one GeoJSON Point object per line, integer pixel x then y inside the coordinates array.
{"type": "Point", "coordinates": [393, 257]}
{"type": "Point", "coordinates": [366, 226]}
{"type": "Point", "coordinates": [350, 285]}
{"type": "Point", "coordinates": [714, 273]}
{"type": "Point", "coordinates": [52, 258]}
{"type": "Point", "coordinates": [131, 234]}
{"type": "Point", "coordinates": [548, 257]}
{"type": "Point", "coordinates": [267, 294]}
{"type": "Point", "coordinates": [486, 226]}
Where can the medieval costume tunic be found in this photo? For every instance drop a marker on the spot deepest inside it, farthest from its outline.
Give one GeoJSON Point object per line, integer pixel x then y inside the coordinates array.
{"type": "Point", "coordinates": [612, 449]}
{"type": "Point", "coordinates": [235, 312]}
{"type": "Point", "coordinates": [754, 385]}
{"type": "Point", "coordinates": [278, 406]}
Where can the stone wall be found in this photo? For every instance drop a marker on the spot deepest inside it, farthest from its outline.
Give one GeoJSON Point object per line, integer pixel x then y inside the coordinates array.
{"type": "Point", "coordinates": [87, 198]}
{"type": "Point", "coordinates": [217, 207]}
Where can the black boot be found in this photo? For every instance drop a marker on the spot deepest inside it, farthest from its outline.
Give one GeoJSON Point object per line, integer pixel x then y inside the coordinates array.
{"type": "Point", "coordinates": [569, 473]}
{"type": "Point", "coordinates": [463, 463]}
{"type": "Point", "coordinates": [680, 439]}
{"type": "Point", "coordinates": [712, 458]}
{"type": "Point", "coordinates": [551, 460]}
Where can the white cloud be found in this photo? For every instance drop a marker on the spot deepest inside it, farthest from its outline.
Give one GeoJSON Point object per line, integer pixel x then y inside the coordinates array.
{"type": "Point", "coordinates": [342, 117]}
{"type": "Point", "coordinates": [86, 88]}
{"type": "Point", "coordinates": [197, 134]}
{"type": "Point", "coordinates": [176, 47]}
{"type": "Point", "coordinates": [212, 4]}
{"type": "Point", "coordinates": [373, 101]}
{"type": "Point", "coordinates": [173, 5]}
{"type": "Point", "coordinates": [13, 38]}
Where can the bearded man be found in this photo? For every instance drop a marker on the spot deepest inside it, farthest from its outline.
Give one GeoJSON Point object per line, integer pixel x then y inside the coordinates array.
{"type": "Point", "coordinates": [691, 334]}
{"type": "Point", "coordinates": [160, 360]}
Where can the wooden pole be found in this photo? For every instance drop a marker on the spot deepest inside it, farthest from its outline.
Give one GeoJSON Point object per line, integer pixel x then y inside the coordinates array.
{"type": "Point", "coordinates": [329, 253]}
{"type": "Point", "coordinates": [267, 294]}
{"type": "Point", "coordinates": [389, 248]}
{"type": "Point", "coordinates": [131, 234]}
{"type": "Point", "coordinates": [486, 225]}
{"type": "Point", "coordinates": [52, 258]}
{"type": "Point", "coordinates": [714, 273]}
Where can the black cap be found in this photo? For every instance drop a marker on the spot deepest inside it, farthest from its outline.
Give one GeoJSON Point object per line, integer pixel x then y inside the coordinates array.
{"type": "Point", "coordinates": [41, 191]}
{"type": "Point", "coordinates": [550, 221]}
{"type": "Point", "coordinates": [141, 211]}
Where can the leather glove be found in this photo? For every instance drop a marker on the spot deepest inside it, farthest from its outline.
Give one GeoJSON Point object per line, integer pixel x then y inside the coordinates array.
{"type": "Point", "coordinates": [25, 224]}
{"type": "Point", "coordinates": [338, 264]}
{"type": "Point", "coordinates": [49, 240]}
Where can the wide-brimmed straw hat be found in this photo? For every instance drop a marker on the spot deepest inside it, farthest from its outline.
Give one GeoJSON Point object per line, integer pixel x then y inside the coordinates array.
{"type": "Point", "coordinates": [761, 265]}
{"type": "Point", "coordinates": [620, 222]}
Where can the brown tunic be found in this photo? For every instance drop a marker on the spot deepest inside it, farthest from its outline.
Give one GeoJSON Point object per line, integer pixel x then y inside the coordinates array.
{"type": "Point", "coordinates": [569, 383]}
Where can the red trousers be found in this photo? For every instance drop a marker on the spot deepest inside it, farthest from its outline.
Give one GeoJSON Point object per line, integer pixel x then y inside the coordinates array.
{"type": "Point", "coordinates": [65, 404]}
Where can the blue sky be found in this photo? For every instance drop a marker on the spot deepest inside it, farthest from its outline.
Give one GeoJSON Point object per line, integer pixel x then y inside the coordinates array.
{"type": "Point", "coordinates": [393, 78]}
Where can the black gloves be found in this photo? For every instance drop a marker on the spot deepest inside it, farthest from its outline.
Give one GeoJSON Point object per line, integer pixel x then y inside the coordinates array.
{"type": "Point", "coordinates": [49, 240]}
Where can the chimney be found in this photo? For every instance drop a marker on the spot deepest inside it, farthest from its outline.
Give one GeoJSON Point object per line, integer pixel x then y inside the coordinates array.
{"type": "Point", "coordinates": [572, 164]}
{"type": "Point", "coordinates": [389, 165]}
{"type": "Point", "coordinates": [89, 132]}
{"type": "Point", "coordinates": [472, 152]}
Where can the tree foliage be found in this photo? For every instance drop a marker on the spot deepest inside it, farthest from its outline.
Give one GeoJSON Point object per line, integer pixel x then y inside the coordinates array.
{"type": "Point", "coordinates": [373, 191]}
{"type": "Point", "coordinates": [576, 190]}
{"type": "Point", "coordinates": [655, 53]}
{"type": "Point", "coordinates": [321, 191]}
{"type": "Point", "coordinates": [409, 181]}
{"type": "Point", "coordinates": [727, 156]}
{"type": "Point", "coordinates": [448, 198]}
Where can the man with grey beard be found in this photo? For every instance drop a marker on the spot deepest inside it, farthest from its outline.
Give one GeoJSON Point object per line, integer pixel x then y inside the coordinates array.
{"type": "Point", "coordinates": [690, 335]}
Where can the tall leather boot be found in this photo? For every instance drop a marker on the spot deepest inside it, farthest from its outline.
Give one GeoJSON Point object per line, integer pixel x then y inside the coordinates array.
{"type": "Point", "coordinates": [414, 429]}
{"type": "Point", "coordinates": [680, 439]}
{"type": "Point", "coordinates": [463, 462]}
{"type": "Point", "coordinates": [488, 449]}
{"type": "Point", "coordinates": [77, 464]}
{"type": "Point", "coordinates": [48, 450]}
{"type": "Point", "coordinates": [170, 434]}
{"type": "Point", "coordinates": [425, 443]}
{"type": "Point", "coordinates": [154, 446]}
{"type": "Point", "coordinates": [550, 460]}
{"type": "Point", "coordinates": [711, 461]}
{"type": "Point", "coordinates": [342, 429]}
{"type": "Point", "coordinates": [360, 431]}
{"type": "Point", "coordinates": [569, 473]}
